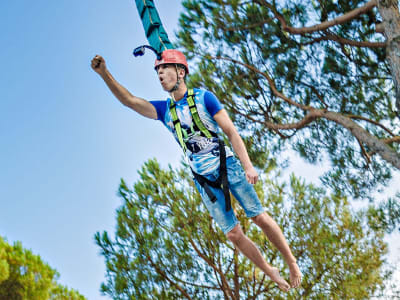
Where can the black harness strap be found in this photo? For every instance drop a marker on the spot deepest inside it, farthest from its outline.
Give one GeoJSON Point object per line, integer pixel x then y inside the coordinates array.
{"type": "Point", "coordinates": [220, 183]}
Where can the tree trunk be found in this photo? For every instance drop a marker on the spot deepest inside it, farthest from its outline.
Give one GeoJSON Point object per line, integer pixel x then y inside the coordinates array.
{"type": "Point", "coordinates": [389, 11]}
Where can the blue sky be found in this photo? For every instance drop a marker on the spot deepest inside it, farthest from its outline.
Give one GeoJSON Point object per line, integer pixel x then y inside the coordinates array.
{"type": "Point", "coordinates": [65, 140]}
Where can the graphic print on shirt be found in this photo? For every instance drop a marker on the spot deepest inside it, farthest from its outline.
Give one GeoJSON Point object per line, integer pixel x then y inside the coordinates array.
{"type": "Point", "coordinates": [203, 153]}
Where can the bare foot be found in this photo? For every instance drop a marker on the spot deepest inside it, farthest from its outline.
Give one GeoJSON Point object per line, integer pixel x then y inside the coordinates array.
{"type": "Point", "coordinates": [295, 275]}
{"type": "Point", "coordinates": [276, 277]}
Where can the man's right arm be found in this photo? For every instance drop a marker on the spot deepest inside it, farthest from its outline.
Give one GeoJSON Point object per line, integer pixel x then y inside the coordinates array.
{"type": "Point", "coordinates": [139, 105]}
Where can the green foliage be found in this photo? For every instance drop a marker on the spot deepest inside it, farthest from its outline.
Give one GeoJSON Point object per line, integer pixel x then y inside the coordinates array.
{"type": "Point", "coordinates": [166, 246]}
{"type": "Point", "coordinates": [311, 69]}
{"type": "Point", "coordinates": [386, 216]}
{"type": "Point", "coordinates": [25, 276]}
{"type": "Point", "coordinates": [60, 292]}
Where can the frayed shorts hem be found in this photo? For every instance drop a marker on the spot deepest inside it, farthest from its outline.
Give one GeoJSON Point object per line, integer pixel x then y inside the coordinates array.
{"type": "Point", "coordinates": [256, 214]}
{"type": "Point", "coordinates": [226, 231]}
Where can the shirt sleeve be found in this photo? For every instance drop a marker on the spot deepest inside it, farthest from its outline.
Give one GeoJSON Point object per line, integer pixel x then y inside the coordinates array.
{"type": "Point", "coordinates": [212, 103]}
{"type": "Point", "coordinates": [161, 107]}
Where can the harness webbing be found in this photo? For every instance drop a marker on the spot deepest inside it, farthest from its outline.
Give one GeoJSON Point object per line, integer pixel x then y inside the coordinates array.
{"type": "Point", "coordinates": [177, 125]}
{"type": "Point", "coordinates": [198, 124]}
{"type": "Point", "coordinates": [220, 183]}
{"type": "Point", "coordinates": [222, 180]}
{"type": "Point", "coordinates": [195, 115]}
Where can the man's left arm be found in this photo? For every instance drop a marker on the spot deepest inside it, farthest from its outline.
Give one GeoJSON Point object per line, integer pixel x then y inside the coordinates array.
{"type": "Point", "coordinates": [227, 126]}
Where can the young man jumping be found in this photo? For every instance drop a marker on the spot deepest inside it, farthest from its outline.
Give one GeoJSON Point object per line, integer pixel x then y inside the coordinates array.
{"type": "Point", "coordinates": [194, 118]}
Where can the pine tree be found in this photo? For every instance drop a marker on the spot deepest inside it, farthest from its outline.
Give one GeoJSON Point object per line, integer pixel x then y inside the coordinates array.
{"type": "Point", "coordinates": [24, 276]}
{"type": "Point", "coordinates": [316, 77]}
{"type": "Point", "coordinates": [166, 246]}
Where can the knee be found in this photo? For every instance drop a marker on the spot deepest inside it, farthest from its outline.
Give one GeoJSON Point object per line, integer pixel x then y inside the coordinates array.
{"type": "Point", "coordinates": [235, 235]}
{"type": "Point", "coordinates": [261, 219]}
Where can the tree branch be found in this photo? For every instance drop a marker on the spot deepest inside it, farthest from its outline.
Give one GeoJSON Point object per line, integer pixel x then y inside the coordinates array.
{"type": "Point", "coordinates": [159, 271]}
{"type": "Point", "coordinates": [372, 122]}
{"type": "Point", "coordinates": [250, 26]}
{"type": "Point", "coordinates": [376, 145]}
{"type": "Point", "coordinates": [324, 25]}
{"type": "Point", "coordinates": [395, 139]}
{"type": "Point", "coordinates": [362, 135]}
{"type": "Point", "coordinates": [314, 113]}
{"type": "Point", "coordinates": [314, 90]}
{"type": "Point", "coordinates": [357, 131]}
{"type": "Point", "coordinates": [236, 274]}
{"type": "Point", "coordinates": [260, 285]}
{"type": "Point", "coordinates": [364, 152]}
{"type": "Point", "coordinates": [344, 41]}
{"type": "Point", "coordinates": [282, 136]}
{"type": "Point", "coordinates": [268, 78]}
{"type": "Point", "coordinates": [196, 285]}
{"type": "Point", "coordinates": [311, 116]}
{"type": "Point", "coordinates": [225, 284]}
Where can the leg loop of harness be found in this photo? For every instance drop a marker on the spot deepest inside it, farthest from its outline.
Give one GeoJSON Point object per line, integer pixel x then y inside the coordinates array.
{"type": "Point", "coordinates": [220, 183]}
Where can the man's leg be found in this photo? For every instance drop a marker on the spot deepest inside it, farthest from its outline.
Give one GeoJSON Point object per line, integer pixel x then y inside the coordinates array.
{"type": "Point", "coordinates": [275, 235]}
{"type": "Point", "coordinates": [250, 250]}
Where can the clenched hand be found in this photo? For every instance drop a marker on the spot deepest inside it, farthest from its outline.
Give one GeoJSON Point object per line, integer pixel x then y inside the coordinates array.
{"type": "Point", "coordinates": [99, 64]}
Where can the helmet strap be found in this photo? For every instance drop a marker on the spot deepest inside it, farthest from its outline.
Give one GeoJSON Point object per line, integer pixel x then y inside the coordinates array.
{"type": "Point", "coordinates": [178, 81]}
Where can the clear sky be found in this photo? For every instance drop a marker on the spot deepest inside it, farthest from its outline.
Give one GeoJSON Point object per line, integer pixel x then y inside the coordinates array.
{"type": "Point", "coordinates": [65, 141]}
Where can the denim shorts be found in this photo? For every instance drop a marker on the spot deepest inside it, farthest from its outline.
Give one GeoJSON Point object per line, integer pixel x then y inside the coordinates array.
{"type": "Point", "coordinates": [240, 188]}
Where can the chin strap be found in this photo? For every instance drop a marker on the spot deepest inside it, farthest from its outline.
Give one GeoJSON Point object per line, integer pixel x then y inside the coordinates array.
{"type": "Point", "coordinates": [178, 81]}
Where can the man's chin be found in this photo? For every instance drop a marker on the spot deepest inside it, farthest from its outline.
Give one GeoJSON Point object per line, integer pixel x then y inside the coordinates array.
{"type": "Point", "coordinates": [165, 88]}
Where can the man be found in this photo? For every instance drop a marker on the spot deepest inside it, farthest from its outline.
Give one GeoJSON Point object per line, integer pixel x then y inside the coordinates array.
{"type": "Point", "coordinates": [204, 152]}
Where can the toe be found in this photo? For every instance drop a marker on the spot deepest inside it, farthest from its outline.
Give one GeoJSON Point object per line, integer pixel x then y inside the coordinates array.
{"type": "Point", "coordinates": [284, 287]}
{"type": "Point", "coordinates": [296, 282]}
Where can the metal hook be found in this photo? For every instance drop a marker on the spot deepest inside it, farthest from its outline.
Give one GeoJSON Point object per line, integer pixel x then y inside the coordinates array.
{"type": "Point", "coordinates": [139, 51]}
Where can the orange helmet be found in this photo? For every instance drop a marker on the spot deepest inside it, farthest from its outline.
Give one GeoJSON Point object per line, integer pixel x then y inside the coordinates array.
{"type": "Point", "coordinates": [172, 56]}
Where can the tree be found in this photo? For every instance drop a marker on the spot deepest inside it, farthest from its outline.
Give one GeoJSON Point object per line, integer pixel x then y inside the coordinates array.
{"type": "Point", "coordinates": [312, 76]}
{"type": "Point", "coordinates": [167, 247]}
{"type": "Point", "coordinates": [23, 275]}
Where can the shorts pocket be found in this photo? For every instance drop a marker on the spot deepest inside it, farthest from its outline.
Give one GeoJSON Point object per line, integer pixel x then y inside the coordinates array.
{"type": "Point", "coordinates": [235, 171]}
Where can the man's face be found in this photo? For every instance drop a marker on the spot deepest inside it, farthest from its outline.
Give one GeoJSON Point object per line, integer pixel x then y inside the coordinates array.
{"type": "Point", "coordinates": [167, 76]}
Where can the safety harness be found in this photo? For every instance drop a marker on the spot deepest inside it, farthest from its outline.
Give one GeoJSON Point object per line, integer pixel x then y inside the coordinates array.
{"type": "Point", "coordinates": [198, 126]}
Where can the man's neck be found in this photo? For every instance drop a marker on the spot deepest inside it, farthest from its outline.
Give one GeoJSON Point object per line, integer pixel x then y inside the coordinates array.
{"type": "Point", "coordinates": [180, 92]}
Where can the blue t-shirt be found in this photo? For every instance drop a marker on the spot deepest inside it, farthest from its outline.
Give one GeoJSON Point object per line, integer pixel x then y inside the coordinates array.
{"type": "Point", "coordinates": [203, 153]}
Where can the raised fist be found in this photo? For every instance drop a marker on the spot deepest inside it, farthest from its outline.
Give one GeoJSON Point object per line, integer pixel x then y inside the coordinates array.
{"type": "Point", "coordinates": [99, 64]}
